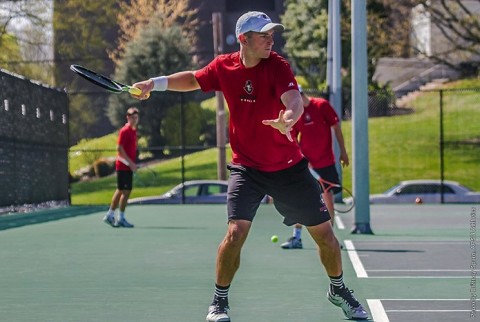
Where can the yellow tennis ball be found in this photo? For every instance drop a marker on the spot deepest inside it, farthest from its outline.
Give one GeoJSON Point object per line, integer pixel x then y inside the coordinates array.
{"type": "Point", "coordinates": [274, 239]}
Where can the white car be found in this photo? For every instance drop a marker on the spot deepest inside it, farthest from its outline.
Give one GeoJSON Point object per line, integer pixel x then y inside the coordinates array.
{"type": "Point", "coordinates": [426, 191]}
{"type": "Point", "coordinates": [194, 192]}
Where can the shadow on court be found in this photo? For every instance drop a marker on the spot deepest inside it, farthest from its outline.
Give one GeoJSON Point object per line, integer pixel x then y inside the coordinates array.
{"type": "Point", "coordinates": [15, 220]}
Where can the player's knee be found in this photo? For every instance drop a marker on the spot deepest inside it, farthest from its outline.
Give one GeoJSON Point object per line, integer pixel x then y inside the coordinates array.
{"type": "Point", "coordinates": [323, 234]}
{"type": "Point", "coordinates": [330, 241]}
{"type": "Point", "coordinates": [237, 233]}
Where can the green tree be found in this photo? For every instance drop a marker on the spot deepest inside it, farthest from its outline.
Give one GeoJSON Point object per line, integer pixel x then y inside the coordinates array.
{"type": "Point", "coordinates": [307, 31]}
{"type": "Point", "coordinates": [25, 37]}
{"type": "Point", "coordinates": [136, 14]}
{"type": "Point", "coordinates": [9, 51]}
{"type": "Point", "coordinates": [387, 34]}
{"type": "Point", "coordinates": [395, 28]}
{"type": "Point", "coordinates": [83, 33]}
{"type": "Point", "coordinates": [156, 51]}
{"type": "Point", "coordinates": [195, 125]}
{"type": "Point", "coordinates": [306, 34]}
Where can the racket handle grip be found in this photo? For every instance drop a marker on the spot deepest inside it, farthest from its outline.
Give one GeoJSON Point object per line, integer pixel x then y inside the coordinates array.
{"type": "Point", "coordinates": [135, 91]}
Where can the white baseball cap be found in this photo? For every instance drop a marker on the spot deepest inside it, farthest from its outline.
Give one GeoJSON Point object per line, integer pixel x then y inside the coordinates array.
{"type": "Point", "coordinates": [256, 21]}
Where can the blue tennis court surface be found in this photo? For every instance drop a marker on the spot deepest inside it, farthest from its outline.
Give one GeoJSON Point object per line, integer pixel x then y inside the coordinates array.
{"type": "Point", "coordinates": [419, 266]}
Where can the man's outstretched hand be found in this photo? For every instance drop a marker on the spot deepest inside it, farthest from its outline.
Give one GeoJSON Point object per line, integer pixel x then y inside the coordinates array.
{"type": "Point", "coordinates": [284, 125]}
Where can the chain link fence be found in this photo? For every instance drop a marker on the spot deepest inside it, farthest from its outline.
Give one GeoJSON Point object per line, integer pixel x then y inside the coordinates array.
{"type": "Point", "coordinates": [432, 134]}
{"type": "Point", "coordinates": [429, 134]}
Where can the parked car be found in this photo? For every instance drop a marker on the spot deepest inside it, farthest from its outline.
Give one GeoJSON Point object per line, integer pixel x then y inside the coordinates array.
{"type": "Point", "coordinates": [195, 191]}
{"type": "Point", "coordinates": [426, 191]}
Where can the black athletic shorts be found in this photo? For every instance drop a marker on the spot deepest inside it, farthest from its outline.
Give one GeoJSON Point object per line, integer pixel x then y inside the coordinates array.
{"type": "Point", "coordinates": [296, 194]}
{"type": "Point", "coordinates": [329, 173]}
{"type": "Point", "coordinates": [124, 180]}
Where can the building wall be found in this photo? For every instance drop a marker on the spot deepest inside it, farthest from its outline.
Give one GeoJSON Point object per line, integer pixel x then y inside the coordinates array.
{"type": "Point", "coordinates": [429, 38]}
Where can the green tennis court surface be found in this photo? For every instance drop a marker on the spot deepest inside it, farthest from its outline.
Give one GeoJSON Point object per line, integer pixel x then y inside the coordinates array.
{"type": "Point", "coordinates": [417, 267]}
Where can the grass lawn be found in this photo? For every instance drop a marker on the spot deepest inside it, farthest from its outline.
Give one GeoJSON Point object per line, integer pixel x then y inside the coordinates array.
{"type": "Point", "coordinates": [401, 147]}
{"type": "Point", "coordinates": [199, 165]}
{"type": "Point", "coordinates": [407, 146]}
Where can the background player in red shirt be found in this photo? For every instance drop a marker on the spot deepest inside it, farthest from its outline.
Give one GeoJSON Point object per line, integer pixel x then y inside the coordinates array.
{"type": "Point", "coordinates": [315, 139]}
{"type": "Point", "coordinates": [127, 150]}
{"type": "Point", "coordinates": [264, 104]}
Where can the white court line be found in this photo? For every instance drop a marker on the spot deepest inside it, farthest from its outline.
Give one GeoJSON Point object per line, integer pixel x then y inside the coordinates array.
{"type": "Point", "coordinates": [357, 264]}
{"type": "Point", "coordinates": [420, 270]}
{"type": "Point", "coordinates": [426, 311]}
{"type": "Point", "coordinates": [339, 223]}
{"type": "Point", "coordinates": [418, 277]}
{"type": "Point", "coordinates": [379, 314]}
{"type": "Point", "coordinates": [380, 241]}
{"type": "Point", "coordinates": [377, 310]}
{"type": "Point", "coordinates": [417, 300]}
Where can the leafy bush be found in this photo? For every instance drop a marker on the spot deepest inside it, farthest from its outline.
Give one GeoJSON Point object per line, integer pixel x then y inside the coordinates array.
{"type": "Point", "coordinates": [103, 167]}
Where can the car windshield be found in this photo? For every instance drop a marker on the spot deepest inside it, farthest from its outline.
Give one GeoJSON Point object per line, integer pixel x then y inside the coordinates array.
{"type": "Point", "coordinates": [465, 187]}
{"type": "Point", "coordinates": [174, 192]}
{"type": "Point", "coordinates": [392, 189]}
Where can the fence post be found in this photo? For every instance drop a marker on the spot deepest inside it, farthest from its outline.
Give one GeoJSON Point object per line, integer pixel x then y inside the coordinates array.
{"type": "Point", "coordinates": [182, 140]}
{"type": "Point", "coordinates": [442, 198]}
{"type": "Point", "coordinates": [221, 127]}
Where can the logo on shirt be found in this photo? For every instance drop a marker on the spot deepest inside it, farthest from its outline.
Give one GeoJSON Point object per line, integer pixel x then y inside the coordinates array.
{"type": "Point", "coordinates": [306, 117]}
{"type": "Point", "coordinates": [248, 87]}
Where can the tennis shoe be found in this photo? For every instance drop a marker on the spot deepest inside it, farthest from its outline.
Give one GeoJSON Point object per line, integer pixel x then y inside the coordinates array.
{"type": "Point", "coordinates": [124, 223]}
{"type": "Point", "coordinates": [217, 311]}
{"type": "Point", "coordinates": [292, 243]}
{"type": "Point", "coordinates": [344, 299]}
{"type": "Point", "coordinates": [109, 220]}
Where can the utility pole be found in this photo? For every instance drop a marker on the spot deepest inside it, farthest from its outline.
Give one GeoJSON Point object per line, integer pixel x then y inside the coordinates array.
{"type": "Point", "coordinates": [221, 126]}
{"type": "Point", "coordinates": [360, 173]}
{"type": "Point", "coordinates": [334, 76]}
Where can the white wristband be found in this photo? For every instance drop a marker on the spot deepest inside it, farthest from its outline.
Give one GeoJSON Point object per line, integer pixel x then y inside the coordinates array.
{"type": "Point", "coordinates": [160, 83]}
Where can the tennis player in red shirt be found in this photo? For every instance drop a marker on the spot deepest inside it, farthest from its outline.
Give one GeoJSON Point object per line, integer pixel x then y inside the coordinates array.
{"type": "Point", "coordinates": [127, 151]}
{"type": "Point", "coordinates": [264, 104]}
{"type": "Point", "coordinates": [315, 138]}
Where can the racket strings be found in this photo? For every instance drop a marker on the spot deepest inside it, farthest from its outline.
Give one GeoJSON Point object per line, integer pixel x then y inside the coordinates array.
{"type": "Point", "coordinates": [97, 79]}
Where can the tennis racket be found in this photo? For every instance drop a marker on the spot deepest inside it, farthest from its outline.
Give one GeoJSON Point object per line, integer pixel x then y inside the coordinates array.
{"type": "Point", "coordinates": [104, 81]}
{"type": "Point", "coordinates": [348, 201]}
{"type": "Point", "coordinates": [144, 176]}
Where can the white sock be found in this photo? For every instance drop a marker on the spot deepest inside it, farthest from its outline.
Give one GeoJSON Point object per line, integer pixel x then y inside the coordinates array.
{"type": "Point", "coordinates": [297, 232]}
{"type": "Point", "coordinates": [111, 213]}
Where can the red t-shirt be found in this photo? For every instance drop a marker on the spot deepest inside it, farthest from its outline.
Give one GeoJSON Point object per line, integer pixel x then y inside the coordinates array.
{"type": "Point", "coordinates": [253, 95]}
{"type": "Point", "coordinates": [127, 138]}
{"type": "Point", "coordinates": [316, 133]}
